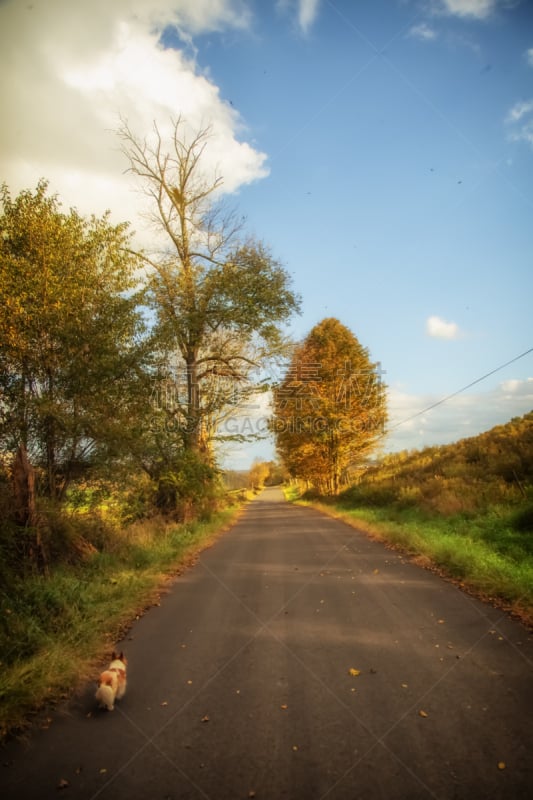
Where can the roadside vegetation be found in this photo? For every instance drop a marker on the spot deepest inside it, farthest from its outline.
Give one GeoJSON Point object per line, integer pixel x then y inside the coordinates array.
{"type": "Point", "coordinates": [118, 367]}
{"type": "Point", "coordinates": [56, 629]}
{"type": "Point", "coordinates": [465, 509]}
{"type": "Point", "coordinates": [104, 569]}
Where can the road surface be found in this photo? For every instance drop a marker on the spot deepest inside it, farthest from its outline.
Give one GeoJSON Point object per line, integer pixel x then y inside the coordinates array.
{"type": "Point", "coordinates": [240, 683]}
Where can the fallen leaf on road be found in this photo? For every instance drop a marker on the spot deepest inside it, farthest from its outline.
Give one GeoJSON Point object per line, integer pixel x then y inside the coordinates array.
{"type": "Point", "coordinates": [63, 784]}
{"type": "Point", "coordinates": [376, 571]}
{"type": "Point", "coordinates": [284, 707]}
{"type": "Point", "coordinates": [103, 771]}
{"type": "Point", "coordinates": [251, 793]}
{"type": "Point", "coordinates": [205, 719]}
{"type": "Point", "coordinates": [440, 621]}
{"type": "Point", "coordinates": [164, 703]}
{"type": "Point", "coordinates": [404, 685]}
{"type": "Point", "coordinates": [501, 764]}
{"type": "Point", "coordinates": [295, 747]}
{"type": "Point", "coordinates": [354, 672]}
{"type": "Point", "coordinates": [422, 714]}
{"type": "Point", "coordinates": [189, 682]}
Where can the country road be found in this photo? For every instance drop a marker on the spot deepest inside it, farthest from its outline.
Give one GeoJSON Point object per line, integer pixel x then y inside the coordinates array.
{"type": "Point", "coordinates": [240, 683]}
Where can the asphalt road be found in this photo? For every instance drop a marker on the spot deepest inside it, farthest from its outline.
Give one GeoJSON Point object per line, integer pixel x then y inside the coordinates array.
{"type": "Point", "coordinates": [240, 684]}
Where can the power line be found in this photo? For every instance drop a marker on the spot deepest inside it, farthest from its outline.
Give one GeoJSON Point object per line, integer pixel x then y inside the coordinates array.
{"type": "Point", "coordinates": [463, 389]}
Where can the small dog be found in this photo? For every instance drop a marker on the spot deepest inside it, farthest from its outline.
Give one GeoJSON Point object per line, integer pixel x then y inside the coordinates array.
{"type": "Point", "coordinates": [112, 682]}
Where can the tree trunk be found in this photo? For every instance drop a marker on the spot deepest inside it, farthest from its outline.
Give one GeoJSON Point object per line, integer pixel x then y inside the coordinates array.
{"type": "Point", "coordinates": [24, 488]}
{"type": "Point", "coordinates": [25, 513]}
{"type": "Point", "coordinates": [193, 431]}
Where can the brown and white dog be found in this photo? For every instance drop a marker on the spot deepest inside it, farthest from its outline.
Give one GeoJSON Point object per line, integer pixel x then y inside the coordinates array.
{"type": "Point", "coordinates": [112, 682]}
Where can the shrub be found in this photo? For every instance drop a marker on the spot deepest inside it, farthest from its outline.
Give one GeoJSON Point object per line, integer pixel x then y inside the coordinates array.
{"type": "Point", "coordinates": [523, 520]}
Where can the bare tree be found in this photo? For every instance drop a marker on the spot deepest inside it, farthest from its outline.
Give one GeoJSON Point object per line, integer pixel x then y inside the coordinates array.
{"type": "Point", "coordinates": [219, 301]}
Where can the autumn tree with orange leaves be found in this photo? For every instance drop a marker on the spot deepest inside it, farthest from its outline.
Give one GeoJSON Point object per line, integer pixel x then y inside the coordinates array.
{"type": "Point", "coordinates": [329, 408]}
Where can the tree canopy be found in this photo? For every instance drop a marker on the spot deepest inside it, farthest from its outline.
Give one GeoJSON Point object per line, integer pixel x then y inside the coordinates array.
{"type": "Point", "coordinates": [219, 301]}
{"type": "Point", "coordinates": [114, 358]}
{"type": "Point", "coordinates": [329, 408]}
{"type": "Point", "coordinates": [70, 335]}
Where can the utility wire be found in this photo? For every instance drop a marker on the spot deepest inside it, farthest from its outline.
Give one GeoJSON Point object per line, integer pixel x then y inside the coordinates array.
{"type": "Point", "coordinates": [464, 388]}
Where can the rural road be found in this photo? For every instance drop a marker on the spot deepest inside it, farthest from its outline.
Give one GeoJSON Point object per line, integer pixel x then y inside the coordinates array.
{"type": "Point", "coordinates": [240, 684]}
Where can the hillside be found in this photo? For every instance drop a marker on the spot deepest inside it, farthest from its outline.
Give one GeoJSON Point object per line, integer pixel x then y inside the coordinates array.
{"type": "Point", "coordinates": [465, 477]}
{"type": "Point", "coordinates": [465, 509]}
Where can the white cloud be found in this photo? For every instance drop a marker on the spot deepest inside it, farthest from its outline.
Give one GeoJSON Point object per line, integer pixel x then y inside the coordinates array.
{"type": "Point", "coordinates": [529, 56]}
{"type": "Point", "coordinates": [67, 70]}
{"type": "Point", "coordinates": [478, 9]}
{"type": "Point", "coordinates": [306, 11]}
{"type": "Point", "coordinates": [519, 110]}
{"type": "Point", "coordinates": [423, 32]}
{"type": "Point", "coordinates": [440, 329]}
{"type": "Point", "coordinates": [520, 120]}
{"type": "Point", "coordinates": [462, 416]}
{"type": "Point", "coordinates": [512, 386]}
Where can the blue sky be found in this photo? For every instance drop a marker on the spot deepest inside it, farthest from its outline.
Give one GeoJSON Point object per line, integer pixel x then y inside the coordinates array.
{"type": "Point", "coordinates": [384, 151]}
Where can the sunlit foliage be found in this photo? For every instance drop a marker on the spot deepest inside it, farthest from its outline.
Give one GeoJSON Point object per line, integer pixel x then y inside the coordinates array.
{"type": "Point", "coordinates": [330, 407]}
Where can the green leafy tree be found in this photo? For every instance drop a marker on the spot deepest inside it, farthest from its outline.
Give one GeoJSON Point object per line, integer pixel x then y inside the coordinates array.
{"type": "Point", "coordinates": [219, 302]}
{"type": "Point", "coordinates": [71, 337]}
{"type": "Point", "coordinates": [330, 407]}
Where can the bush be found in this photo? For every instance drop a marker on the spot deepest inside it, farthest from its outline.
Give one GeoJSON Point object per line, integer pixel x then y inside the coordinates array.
{"type": "Point", "coordinates": [189, 488]}
{"type": "Point", "coordinates": [523, 520]}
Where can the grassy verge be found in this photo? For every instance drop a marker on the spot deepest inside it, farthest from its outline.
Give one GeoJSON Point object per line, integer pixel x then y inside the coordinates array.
{"type": "Point", "coordinates": [55, 630]}
{"type": "Point", "coordinates": [485, 555]}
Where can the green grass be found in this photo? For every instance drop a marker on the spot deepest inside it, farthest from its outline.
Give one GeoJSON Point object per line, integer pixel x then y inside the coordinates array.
{"type": "Point", "coordinates": [291, 492]}
{"type": "Point", "coordinates": [486, 553]}
{"type": "Point", "coordinates": [55, 630]}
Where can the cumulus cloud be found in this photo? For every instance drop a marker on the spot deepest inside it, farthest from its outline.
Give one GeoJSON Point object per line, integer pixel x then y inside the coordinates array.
{"type": "Point", "coordinates": [68, 70]}
{"type": "Point", "coordinates": [465, 415]}
{"type": "Point", "coordinates": [423, 32]}
{"type": "Point", "coordinates": [440, 329]}
{"type": "Point", "coordinates": [476, 9]}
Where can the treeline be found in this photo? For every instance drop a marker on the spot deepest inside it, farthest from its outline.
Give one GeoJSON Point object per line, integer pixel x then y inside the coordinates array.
{"type": "Point", "coordinates": [117, 365]}
{"type": "Point", "coordinates": [260, 474]}
{"type": "Point", "coordinates": [469, 476]}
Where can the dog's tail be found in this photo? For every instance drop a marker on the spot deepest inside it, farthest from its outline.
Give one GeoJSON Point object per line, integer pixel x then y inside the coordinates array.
{"type": "Point", "coordinates": [105, 694]}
